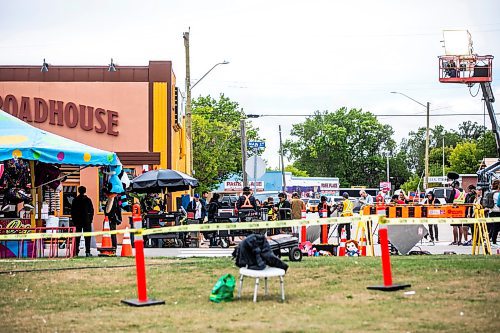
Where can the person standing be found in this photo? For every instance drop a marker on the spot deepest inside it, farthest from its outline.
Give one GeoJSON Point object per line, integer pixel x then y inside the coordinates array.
{"type": "Point", "coordinates": [212, 210]}
{"type": "Point", "coordinates": [297, 206]}
{"type": "Point", "coordinates": [365, 199]}
{"type": "Point", "coordinates": [433, 228]}
{"type": "Point", "coordinates": [82, 214]}
{"type": "Point", "coordinates": [114, 216]}
{"type": "Point", "coordinates": [470, 199]}
{"type": "Point", "coordinates": [457, 196]}
{"type": "Point", "coordinates": [324, 207]}
{"type": "Point", "coordinates": [283, 207]}
{"type": "Point", "coordinates": [493, 228]}
{"type": "Point", "coordinates": [347, 210]}
{"type": "Point", "coordinates": [246, 205]}
{"type": "Point", "coordinates": [204, 203]}
{"type": "Point", "coordinates": [196, 208]}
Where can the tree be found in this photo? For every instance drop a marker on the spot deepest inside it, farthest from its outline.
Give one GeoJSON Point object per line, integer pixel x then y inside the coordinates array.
{"type": "Point", "coordinates": [469, 130]}
{"type": "Point", "coordinates": [414, 146]}
{"type": "Point", "coordinates": [216, 140]}
{"type": "Point", "coordinates": [295, 171]}
{"type": "Point", "coordinates": [412, 184]}
{"type": "Point", "coordinates": [465, 158]}
{"type": "Point", "coordinates": [436, 160]}
{"type": "Point", "coordinates": [486, 143]}
{"type": "Point", "coordinates": [347, 144]}
{"type": "Point", "coordinates": [398, 169]}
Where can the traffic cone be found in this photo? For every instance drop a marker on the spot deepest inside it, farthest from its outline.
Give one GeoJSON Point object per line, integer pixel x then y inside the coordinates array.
{"type": "Point", "coordinates": [106, 249]}
{"type": "Point", "coordinates": [362, 245]}
{"type": "Point", "coordinates": [126, 245]}
{"type": "Point", "coordinates": [343, 240]}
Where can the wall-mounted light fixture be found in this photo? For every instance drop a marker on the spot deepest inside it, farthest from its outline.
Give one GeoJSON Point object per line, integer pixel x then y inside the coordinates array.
{"type": "Point", "coordinates": [112, 67]}
{"type": "Point", "coordinates": [45, 67]}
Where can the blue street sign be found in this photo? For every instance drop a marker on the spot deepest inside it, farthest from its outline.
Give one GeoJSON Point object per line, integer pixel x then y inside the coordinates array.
{"type": "Point", "coordinates": [256, 144]}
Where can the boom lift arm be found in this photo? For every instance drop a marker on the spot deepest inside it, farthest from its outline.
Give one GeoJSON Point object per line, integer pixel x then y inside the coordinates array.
{"type": "Point", "coordinates": [485, 175]}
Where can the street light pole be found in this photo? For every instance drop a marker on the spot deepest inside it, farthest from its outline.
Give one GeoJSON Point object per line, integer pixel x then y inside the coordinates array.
{"type": "Point", "coordinates": [244, 151]}
{"type": "Point", "coordinates": [189, 121]}
{"type": "Point", "coordinates": [426, 182]}
{"type": "Point", "coordinates": [427, 106]}
{"type": "Point", "coordinates": [282, 162]}
{"type": "Point", "coordinates": [189, 138]}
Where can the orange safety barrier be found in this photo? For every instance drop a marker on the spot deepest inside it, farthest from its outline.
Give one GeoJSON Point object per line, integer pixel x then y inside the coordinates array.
{"type": "Point", "coordinates": [420, 211]}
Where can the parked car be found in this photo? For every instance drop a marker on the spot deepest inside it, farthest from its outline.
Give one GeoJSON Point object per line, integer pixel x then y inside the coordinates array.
{"type": "Point", "coordinates": [312, 205]}
{"type": "Point", "coordinates": [262, 196]}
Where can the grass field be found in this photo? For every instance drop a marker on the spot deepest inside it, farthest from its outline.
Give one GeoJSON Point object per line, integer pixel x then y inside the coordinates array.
{"type": "Point", "coordinates": [452, 294]}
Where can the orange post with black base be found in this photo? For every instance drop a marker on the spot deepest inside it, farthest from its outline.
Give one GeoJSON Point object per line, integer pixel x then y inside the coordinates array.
{"type": "Point", "coordinates": [142, 297]}
{"type": "Point", "coordinates": [386, 265]}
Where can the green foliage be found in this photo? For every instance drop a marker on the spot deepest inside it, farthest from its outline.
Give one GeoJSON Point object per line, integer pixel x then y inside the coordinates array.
{"type": "Point", "coordinates": [295, 171]}
{"type": "Point", "coordinates": [469, 130]}
{"type": "Point", "coordinates": [412, 184]}
{"type": "Point", "coordinates": [398, 169]}
{"type": "Point", "coordinates": [346, 143]}
{"type": "Point", "coordinates": [465, 158]}
{"type": "Point", "coordinates": [487, 145]}
{"type": "Point", "coordinates": [216, 140]}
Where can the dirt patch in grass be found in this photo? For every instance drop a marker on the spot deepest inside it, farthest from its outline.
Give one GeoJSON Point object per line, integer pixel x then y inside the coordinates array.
{"type": "Point", "coordinates": [452, 294]}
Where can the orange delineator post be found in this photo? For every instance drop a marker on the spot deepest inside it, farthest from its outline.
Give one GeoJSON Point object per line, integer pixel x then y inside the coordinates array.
{"type": "Point", "coordinates": [343, 240]}
{"type": "Point", "coordinates": [362, 244]}
{"type": "Point", "coordinates": [386, 265]}
{"type": "Point", "coordinates": [303, 229]}
{"type": "Point", "coordinates": [142, 297]}
{"type": "Point", "coordinates": [324, 234]}
{"type": "Point", "coordinates": [323, 213]}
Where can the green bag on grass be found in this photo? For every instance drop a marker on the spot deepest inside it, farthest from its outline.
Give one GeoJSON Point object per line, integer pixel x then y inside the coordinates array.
{"type": "Point", "coordinates": [223, 289]}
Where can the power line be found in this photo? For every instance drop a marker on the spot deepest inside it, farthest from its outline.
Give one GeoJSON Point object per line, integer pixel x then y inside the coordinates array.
{"type": "Point", "coordinates": [376, 115]}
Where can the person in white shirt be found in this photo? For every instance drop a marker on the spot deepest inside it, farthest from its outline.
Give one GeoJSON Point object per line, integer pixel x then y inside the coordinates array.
{"type": "Point", "coordinates": [365, 199]}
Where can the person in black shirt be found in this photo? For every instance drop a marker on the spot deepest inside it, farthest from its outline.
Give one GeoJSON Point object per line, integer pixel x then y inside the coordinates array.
{"type": "Point", "coordinates": [283, 207]}
{"type": "Point", "coordinates": [246, 204]}
{"type": "Point", "coordinates": [82, 214]}
{"type": "Point", "coordinates": [433, 228]}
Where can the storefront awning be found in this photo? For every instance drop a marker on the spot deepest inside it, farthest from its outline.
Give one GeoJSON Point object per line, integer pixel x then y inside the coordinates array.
{"type": "Point", "coordinates": [19, 139]}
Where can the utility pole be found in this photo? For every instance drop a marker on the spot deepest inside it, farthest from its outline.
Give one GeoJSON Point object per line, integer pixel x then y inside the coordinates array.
{"type": "Point", "coordinates": [426, 183]}
{"type": "Point", "coordinates": [244, 151]}
{"type": "Point", "coordinates": [443, 156]}
{"type": "Point", "coordinates": [388, 179]}
{"type": "Point", "coordinates": [189, 123]}
{"type": "Point", "coordinates": [282, 162]}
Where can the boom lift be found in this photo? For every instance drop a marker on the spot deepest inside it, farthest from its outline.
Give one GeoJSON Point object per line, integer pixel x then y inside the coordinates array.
{"type": "Point", "coordinates": [461, 65]}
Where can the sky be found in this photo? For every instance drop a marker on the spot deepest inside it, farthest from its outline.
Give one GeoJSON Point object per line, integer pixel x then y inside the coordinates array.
{"type": "Point", "coordinates": [286, 57]}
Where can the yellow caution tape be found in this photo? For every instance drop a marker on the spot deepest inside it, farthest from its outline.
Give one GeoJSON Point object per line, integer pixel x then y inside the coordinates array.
{"type": "Point", "coordinates": [409, 220]}
{"type": "Point", "coordinates": [254, 225]}
{"type": "Point", "coordinates": [195, 228]}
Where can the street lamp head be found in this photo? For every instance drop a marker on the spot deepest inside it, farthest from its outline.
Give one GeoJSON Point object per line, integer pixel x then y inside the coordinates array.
{"type": "Point", "coordinates": [253, 116]}
{"type": "Point", "coordinates": [225, 62]}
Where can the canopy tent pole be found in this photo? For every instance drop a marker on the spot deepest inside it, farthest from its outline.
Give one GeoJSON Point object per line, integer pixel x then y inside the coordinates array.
{"type": "Point", "coordinates": [33, 193]}
{"type": "Point", "coordinates": [39, 190]}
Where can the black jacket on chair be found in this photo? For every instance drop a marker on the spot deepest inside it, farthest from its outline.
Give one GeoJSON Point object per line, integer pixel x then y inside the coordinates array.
{"type": "Point", "coordinates": [255, 253]}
